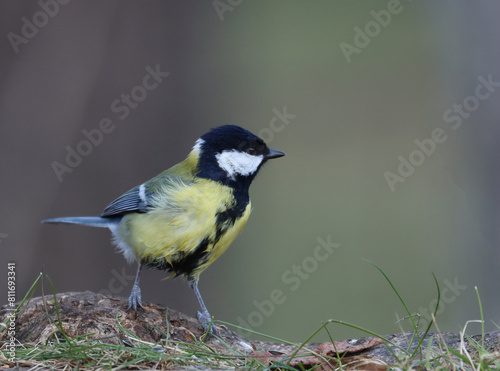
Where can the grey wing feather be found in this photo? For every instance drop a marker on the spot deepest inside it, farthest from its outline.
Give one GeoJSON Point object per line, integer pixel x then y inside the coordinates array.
{"type": "Point", "coordinates": [135, 200]}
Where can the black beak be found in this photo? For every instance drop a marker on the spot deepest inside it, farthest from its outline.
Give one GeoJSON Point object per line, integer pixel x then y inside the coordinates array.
{"type": "Point", "coordinates": [274, 153]}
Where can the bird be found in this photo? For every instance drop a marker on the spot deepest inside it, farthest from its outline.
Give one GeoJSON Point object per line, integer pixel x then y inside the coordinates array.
{"type": "Point", "coordinates": [186, 217]}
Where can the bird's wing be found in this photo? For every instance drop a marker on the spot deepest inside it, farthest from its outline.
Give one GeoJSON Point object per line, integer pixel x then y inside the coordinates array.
{"type": "Point", "coordinates": [141, 199]}
{"type": "Point", "coordinates": [136, 200]}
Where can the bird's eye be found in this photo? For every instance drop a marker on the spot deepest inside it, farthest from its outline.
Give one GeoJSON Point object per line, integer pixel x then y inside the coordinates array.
{"type": "Point", "coordinates": [251, 151]}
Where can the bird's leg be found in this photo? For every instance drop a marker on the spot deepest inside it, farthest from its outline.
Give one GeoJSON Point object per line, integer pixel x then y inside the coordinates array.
{"type": "Point", "coordinates": [135, 296]}
{"type": "Point", "coordinates": [204, 317]}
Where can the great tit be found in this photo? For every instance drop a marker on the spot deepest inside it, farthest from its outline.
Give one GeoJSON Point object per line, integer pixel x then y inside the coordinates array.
{"type": "Point", "coordinates": [183, 219]}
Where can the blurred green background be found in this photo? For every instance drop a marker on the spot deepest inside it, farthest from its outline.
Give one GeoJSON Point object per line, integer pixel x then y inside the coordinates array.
{"type": "Point", "coordinates": [351, 114]}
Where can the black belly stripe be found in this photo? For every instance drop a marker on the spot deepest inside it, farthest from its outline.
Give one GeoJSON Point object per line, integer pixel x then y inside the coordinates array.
{"type": "Point", "coordinates": [160, 264]}
{"type": "Point", "coordinates": [181, 263]}
{"type": "Point", "coordinates": [185, 264]}
{"type": "Point", "coordinates": [226, 219]}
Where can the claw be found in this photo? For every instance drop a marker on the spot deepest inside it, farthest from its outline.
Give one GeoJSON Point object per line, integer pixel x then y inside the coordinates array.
{"type": "Point", "coordinates": [135, 299]}
{"type": "Point", "coordinates": [135, 296]}
{"type": "Point", "coordinates": [205, 320]}
{"type": "Point", "coordinates": [204, 317]}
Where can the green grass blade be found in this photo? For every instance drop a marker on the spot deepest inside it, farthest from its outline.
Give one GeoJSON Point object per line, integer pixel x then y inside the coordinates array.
{"type": "Point", "coordinates": [59, 325]}
{"type": "Point", "coordinates": [434, 316]}
{"type": "Point", "coordinates": [482, 316]}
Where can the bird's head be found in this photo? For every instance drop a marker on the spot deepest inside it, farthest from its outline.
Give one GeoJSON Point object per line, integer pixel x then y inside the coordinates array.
{"type": "Point", "coordinates": [232, 155]}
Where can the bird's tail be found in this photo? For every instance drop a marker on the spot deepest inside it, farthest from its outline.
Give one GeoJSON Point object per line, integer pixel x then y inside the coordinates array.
{"type": "Point", "coordinates": [92, 221]}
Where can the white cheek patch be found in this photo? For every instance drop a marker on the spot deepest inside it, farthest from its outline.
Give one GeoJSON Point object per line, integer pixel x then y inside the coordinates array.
{"type": "Point", "coordinates": [238, 163]}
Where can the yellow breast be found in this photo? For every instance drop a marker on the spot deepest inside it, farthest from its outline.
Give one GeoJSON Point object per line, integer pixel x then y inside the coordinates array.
{"type": "Point", "coordinates": [180, 230]}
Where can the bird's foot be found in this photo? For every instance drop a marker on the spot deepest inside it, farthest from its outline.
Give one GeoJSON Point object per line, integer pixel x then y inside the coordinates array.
{"type": "Point", "coordinates": [134, 299]}
{"type": "Point", "coordinates": [206, 321]}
